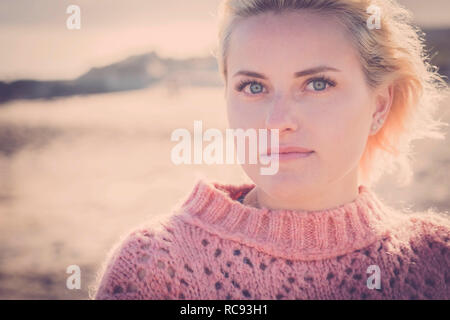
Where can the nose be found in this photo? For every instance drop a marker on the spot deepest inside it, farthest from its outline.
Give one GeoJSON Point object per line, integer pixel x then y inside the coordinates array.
{"type": "Point", "coordinates": [280, 115]}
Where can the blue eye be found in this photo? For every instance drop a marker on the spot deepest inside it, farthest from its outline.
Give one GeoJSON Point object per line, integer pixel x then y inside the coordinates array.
{"type": "Point", "coordinates": [256, 88]}
{"type": "Point", "coordinates": [319, 84]}
{"type": "Point", "coordinates": [253, 86]}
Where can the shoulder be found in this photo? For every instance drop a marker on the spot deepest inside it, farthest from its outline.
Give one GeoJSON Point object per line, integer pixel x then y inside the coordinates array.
{"type": "Point", "coordinates": [431, 240]}
{"type": "Point", "coordinates": [418, 256]}
{"type": "Point", "coordinates": [427, 255]}
{"type": "Point", "coordinates": [431, 227]}
{"type": "Point", "coordinates": [132, 268]}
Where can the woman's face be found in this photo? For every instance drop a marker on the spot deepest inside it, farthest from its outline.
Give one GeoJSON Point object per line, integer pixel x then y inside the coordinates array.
{"type": "Point", "coordinates": [308, 83]}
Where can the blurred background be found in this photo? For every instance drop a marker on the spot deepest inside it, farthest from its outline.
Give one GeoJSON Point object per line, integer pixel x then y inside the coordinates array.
{"type": "Point", "coordinates": [86, 118]}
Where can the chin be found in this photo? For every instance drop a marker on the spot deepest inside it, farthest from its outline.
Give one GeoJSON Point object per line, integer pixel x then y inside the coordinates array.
{"type": "Point", "coordinates": [281, 185]}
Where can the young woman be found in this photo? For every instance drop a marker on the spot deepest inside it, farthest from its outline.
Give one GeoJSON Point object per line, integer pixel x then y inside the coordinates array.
{"type": "Point", "coordinates": [347, 97]}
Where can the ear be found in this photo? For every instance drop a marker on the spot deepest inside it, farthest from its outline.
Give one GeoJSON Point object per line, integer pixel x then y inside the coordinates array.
{"type": "Point", "coordinates": [384, 97]}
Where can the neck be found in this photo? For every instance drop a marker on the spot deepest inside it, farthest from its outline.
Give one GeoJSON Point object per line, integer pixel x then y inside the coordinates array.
{"type": "Point", "coordinates": [337, 193]}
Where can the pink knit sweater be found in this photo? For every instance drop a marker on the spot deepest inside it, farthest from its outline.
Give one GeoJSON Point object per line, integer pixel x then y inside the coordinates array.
{"type": "Point", "coordinates": [214, 247]}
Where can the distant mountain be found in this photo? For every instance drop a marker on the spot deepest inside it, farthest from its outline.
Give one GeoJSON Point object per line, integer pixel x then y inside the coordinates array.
{"type": "Point", "coordinates": [135, 72]}
{"type": "Point", "coordinates": [141, 71]}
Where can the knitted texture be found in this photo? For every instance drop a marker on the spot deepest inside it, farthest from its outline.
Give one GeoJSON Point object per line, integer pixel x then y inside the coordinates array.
{"type": "Point", "coordinates": [215, 247]}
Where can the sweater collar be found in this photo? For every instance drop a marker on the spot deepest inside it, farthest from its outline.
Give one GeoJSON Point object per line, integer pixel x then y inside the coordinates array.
{"type": "Point", "coordinates": [302, 235]}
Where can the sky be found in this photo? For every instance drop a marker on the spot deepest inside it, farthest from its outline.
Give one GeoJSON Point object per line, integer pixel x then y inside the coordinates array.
{"type": "Point", "coordinates": [36, 43]}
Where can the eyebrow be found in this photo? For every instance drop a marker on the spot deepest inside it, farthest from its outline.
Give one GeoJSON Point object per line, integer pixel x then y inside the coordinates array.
{"type": "Point", "coordinates": [298, 74]}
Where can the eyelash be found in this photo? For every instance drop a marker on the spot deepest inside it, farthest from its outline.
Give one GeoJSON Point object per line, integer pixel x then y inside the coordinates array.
{"type": "Point", "coordinates": [244, 83]}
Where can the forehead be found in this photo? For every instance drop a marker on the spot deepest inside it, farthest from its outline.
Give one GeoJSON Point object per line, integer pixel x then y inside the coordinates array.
{"type": "Point", "coordinates": [289, 40]}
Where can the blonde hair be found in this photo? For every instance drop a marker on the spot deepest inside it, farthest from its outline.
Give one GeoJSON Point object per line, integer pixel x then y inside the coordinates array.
{"type": "Point", "coordinates": [394, 53]}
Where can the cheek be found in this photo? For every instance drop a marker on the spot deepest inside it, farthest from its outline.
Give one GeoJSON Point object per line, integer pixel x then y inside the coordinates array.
{"type": "Point", "coordinates": [233, 112]}
{"type": "Point", "coordinates": [344, 133]}
{"type": "Point", "coordinates": [244, 115]}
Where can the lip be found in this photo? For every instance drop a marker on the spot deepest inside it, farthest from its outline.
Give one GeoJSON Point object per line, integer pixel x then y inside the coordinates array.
{"type": "Point", "coordinates": [289, 149]}
{"type": "Point", "coordinates": [288, 153]}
